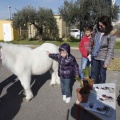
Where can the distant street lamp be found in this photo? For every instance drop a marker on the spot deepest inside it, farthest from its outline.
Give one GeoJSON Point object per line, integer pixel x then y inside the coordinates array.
{"type": "Point", "coordinates": [9, 9]}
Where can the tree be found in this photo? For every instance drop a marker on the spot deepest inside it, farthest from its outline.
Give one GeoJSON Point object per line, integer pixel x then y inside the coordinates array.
{"type": "Point", "coordinates": [69, 12]}
{"type": "Point", "coordinates": [87, 11]}
{"type": "Point", "coordinates": [45, 18]}
{"type": "Point", "coordinates": [42, 19]}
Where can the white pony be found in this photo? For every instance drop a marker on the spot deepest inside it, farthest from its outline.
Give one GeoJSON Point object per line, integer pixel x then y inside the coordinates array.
{"type": "Point", "coordinates": [24, 61]}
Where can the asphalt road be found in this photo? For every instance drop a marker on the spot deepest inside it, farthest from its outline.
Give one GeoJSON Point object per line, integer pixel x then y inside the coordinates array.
{"type": "Point", "coordinates": [47, 103]}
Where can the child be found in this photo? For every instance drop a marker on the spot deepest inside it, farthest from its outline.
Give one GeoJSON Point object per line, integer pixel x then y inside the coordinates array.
{"type": "Point", "coordinates": [84, 49]}
{"type": "Point", "coordinates": [67, 66]}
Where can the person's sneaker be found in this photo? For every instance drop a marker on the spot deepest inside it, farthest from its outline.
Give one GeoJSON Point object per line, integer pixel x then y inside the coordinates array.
{"type": "Point", "coordinates": [68, 100]}
{"type": "Point", "coordinates": [64, 97]}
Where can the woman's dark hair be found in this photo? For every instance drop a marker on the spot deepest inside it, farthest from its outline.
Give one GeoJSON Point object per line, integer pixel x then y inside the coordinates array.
{"type": "Point", "coordinates": [105, 20]}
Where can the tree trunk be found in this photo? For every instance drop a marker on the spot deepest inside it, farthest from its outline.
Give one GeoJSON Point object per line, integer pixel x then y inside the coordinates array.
{"type": "Point", "coordinates": [39, 32]}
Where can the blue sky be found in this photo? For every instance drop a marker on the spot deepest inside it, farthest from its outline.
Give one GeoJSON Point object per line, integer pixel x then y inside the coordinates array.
{"type": "Point", "coordinates": [19, 4]}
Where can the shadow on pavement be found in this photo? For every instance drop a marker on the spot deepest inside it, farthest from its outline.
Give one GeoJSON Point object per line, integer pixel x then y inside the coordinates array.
{"type": "Point", "coordinates": [6, 82]}
{"type": "Point", "coordinates": [10, 102]}
{"type": "Point", "coordinates": [39, 81]}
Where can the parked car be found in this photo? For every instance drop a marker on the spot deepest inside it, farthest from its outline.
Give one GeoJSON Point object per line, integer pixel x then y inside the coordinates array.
{"type": "Point", "coordinates": [75, 33]}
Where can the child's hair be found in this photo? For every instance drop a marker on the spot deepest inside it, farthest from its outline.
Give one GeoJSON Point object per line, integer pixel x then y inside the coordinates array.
{"type": "Point", "coordinates": [89, 28]}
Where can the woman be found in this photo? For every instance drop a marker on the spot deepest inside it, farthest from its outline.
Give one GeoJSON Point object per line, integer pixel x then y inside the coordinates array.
{"type": "Point", "coordinates": [103, 49]}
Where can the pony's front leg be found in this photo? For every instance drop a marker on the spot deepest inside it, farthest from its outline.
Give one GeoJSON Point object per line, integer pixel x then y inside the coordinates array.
{"type": "Point", "coordinates": [54, 78]}
{"type": "Point", "coordinates": [54, 73]}
{"type": "Point", "coordinates": [58, 78]}
{"type": "Point", "coordinates": [25, 82]}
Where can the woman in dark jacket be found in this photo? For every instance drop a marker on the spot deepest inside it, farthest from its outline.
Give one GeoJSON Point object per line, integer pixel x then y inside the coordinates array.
{"type": "Point", "coordinates": [103, 49]}
{"type": "Point", "coordinates": [67, 67]}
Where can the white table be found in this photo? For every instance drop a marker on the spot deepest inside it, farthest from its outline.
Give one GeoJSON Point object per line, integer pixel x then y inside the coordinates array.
{"type": "Point", "coordinates": [93, 98]}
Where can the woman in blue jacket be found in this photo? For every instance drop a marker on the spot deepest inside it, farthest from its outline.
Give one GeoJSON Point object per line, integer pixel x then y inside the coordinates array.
{"type": "Point", "coordinates": [67, 67]}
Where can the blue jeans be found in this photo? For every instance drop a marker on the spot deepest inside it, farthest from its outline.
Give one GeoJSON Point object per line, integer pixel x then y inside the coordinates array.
{"type": "Point", "coordinates": [98, 72]}
{"type": "Point", "coordinates": [65, 86]}
{"type": "Point", "coordinates": [84, 63]}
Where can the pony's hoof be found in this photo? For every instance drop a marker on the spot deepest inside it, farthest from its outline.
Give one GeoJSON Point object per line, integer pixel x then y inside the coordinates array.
{"type": "Point", "coordinates": [52, 84]}
{"type": "Point", "coordinates": [58, 83]}
{"type": "Point", "coordinates": [28, 100]}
